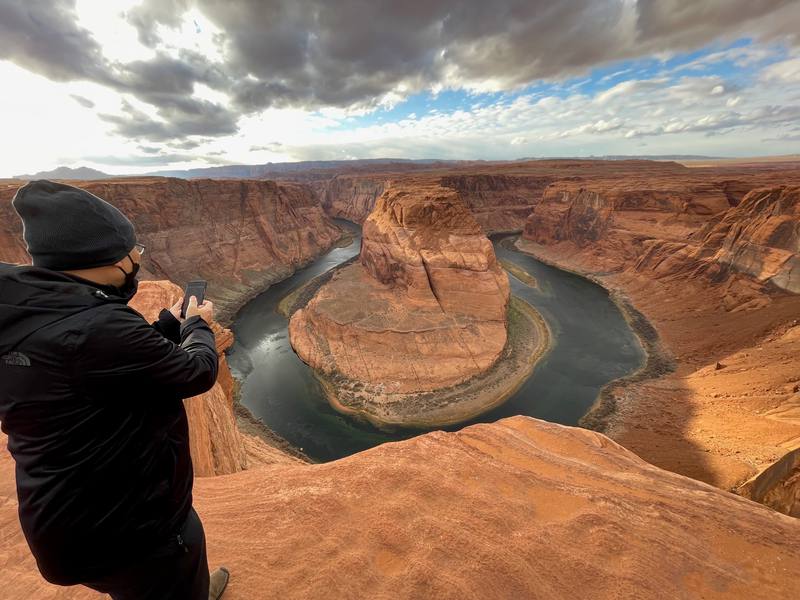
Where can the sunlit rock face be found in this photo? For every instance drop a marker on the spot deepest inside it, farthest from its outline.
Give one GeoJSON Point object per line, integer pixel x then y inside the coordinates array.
{"type": "Point", "coordinates": [423, 308]}
{"type": "Point", "coordinates": [495, 510]}
{"type": "Point", "coordinates": [714, 268]}
{"type": "Point", "coordinates": [759, 238]}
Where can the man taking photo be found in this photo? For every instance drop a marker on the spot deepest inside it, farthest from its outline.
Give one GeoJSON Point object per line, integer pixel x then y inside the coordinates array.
{"type": "Point", "coordinates": [91, 400]}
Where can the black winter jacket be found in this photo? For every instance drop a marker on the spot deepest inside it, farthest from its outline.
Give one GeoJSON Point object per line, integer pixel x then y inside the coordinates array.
{"type": "Point", "coordinates": [90, 397]}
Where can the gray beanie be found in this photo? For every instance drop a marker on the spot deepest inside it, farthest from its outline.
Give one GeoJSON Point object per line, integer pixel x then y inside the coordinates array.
{"type": "Point", "coordinates": [68, 228]}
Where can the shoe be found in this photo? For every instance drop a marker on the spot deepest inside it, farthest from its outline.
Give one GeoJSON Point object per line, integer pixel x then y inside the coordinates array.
{"type": "Point", "coordinates": [218, 582]}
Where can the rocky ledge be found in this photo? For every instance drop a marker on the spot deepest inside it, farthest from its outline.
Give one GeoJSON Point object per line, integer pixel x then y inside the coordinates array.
{"type": "Point", "coordinates": [519, 508]}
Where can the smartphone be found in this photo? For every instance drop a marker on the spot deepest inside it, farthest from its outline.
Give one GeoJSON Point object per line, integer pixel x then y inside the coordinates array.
{"type": "Point", "coordinates": [196, 288]}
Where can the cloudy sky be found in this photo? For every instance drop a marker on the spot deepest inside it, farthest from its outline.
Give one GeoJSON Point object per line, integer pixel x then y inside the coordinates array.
{"type": "Point", "coordinates": [129, 86]}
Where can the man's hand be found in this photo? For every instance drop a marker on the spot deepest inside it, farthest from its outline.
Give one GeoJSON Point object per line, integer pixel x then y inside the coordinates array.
{"type": "Point", "coordinates": [176, 309]}
{"type": "Point", "coordinates": [205, 310]}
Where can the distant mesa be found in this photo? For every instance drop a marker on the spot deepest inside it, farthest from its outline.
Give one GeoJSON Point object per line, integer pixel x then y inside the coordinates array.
{"type": "Point", "coordinates": [80, 173]}
{"type": "Point", "coordinates": [304, 169]}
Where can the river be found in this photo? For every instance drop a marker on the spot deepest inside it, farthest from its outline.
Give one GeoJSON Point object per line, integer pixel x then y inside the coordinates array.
{"type": "Point", "coordinates": [592, 344]}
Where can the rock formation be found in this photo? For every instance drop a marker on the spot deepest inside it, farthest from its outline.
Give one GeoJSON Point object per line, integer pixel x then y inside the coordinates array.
{"type": "Point", "coordinates": [499, 202]}
{"type": "Point", "coordinates": [351, 198]}
{"type": "Point", "coordinates": [713, 272]}
{"type": "Point", "coordinates": [217, 445]}
{"type": "Point", "coordinates": [759, 238]}
{"type": "Point", "coordinates": [424, 308]}
{"type": "Point", "coordinates": [519, 508]}
{"type": "Point", "coordinates": [241, 236]}
{"type": "Point", "coordinates": [777, 486]}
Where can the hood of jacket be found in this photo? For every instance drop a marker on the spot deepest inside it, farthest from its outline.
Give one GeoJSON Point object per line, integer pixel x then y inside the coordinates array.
{"type": "Point", "coordinates": [33, 297]}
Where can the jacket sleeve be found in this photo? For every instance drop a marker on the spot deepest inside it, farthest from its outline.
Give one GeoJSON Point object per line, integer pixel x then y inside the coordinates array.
{"type": "Point", "coordinates": [168, 326]}
{"type": "Point", "coordinates": [123, 355]}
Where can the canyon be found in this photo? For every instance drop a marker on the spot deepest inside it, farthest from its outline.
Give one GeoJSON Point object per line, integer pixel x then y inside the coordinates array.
{"type": "Point", "coordinates": [219, 442]}
{"type": "Point", "coordinates": [720, 292]}
{"type": "Point", "coordinates": [703, 260]}
{"type": "Point", "coordinates": [241, 236]}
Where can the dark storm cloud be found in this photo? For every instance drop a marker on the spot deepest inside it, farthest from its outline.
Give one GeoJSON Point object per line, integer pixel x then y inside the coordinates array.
{"type": "Point", "coordinates": [44, 37]}
{"type": "Point", "coordinates": [314, 53]}
{"type": "Point", "coordinates": [187, 144]}
{"type": "Point", "coordinates": [320, 53]}
{"type": "Point", "coordinates": [150, 12]}
{"type": "Point", "coordinates": [182, 116]}
{"type": "Point", "coordinates": [682, 23]}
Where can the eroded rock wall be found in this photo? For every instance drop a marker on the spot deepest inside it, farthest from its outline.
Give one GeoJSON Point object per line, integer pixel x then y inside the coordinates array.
{"type": "Point", "coordinates": [241, 236]}
{"type": "Point", "coordinates": [719, 284]}
{"type": "Point", "coordinates": [759, 238]}
{"type": "Point", "coordinates": [351, 198]}
{"type": "Point", "coordinates": [498, 202]}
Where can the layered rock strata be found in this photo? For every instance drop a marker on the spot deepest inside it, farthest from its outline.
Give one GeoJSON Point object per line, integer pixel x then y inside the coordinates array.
{"type": "Point", "coordinates": [241, 236]}
{"type": "Point", "coordinates": [351, 198]}
{"type": "Point", "coordinates": [499, 202]}
{"type": "Point", "coordinates": [759, 238]}
{"type": "Point", "coordinates": [423, 309]}
{"type": "Point", "coordinates": [519, 508]}
{"type": "Point", "coordinates": [720, 289]}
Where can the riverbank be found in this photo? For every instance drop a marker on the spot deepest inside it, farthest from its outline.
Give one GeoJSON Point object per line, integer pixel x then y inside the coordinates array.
{"type": "Point", "coordinates": [528, 340]}
{"type": "Point", "coordinates": [520, 273]}
{"type": "Point", "coordinates": [715, 401]}
{"type": "Point", "coordinates": [237, 297]}
{"type": "Point", "coordinates": [658, 360]}
{"type": "Point", "coordinates": [246, 421]}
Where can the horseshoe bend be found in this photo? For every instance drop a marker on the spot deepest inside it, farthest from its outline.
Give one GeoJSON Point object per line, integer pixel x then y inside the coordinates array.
{"type": "Point", "coordinates": [424, 309]}
{"type": "Point", "coordinates": [703, 264]}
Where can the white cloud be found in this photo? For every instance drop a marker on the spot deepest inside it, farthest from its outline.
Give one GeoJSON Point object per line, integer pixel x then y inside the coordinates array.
{"type": "Point", "coordinates": [787, 71]}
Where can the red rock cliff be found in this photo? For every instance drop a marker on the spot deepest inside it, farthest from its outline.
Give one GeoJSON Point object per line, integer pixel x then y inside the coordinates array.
{"type": "Point", "coordinates": [759, 238]}
{"type": "Point", "coordinates": [714, 273]}
{"type": "Point", "coordinates": [351, 198]}
{"type": "Point", "coordinates": [242, 236]}
{"type": "Point", "coordinates": [499, 202]}
{"type": "Point", "coordinates": [424, 308]}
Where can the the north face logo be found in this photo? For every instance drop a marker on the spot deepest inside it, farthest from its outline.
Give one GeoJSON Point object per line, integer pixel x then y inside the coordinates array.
{"type": "Point", "coordinates": [16, 359]}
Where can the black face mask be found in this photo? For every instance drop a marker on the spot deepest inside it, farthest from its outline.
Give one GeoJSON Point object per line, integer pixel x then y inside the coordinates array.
{"type": "Point", "coordinates": [128, 289]}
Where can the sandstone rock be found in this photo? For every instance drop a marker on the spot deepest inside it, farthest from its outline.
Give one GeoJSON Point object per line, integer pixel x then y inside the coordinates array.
{"type": "Point", "coordinates": [499, 202]}
{"type": "Point", "coordinates": [760, 238]}
{"type": "Point", "coordinates": [711, 286]}
{"type": "Point", "coordinates": [514, 509]}
{"type": "Point", "coordinates": [351, 198]}
{"type": "Point", "coordinates": [425, 306]}
{"type": "Point", "coordinates": [241, 236]}
{"type": "Point", "coordinates": [777, 486]}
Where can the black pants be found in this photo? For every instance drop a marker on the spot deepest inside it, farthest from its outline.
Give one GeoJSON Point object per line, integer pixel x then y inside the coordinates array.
{"type": "Point", "coordinates": [171, 572]}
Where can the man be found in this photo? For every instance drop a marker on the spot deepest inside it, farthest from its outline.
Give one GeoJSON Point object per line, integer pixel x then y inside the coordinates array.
{"type": "Point", "coordinates": [91, 400]}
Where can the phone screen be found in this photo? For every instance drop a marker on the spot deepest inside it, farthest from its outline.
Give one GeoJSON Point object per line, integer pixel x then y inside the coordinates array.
{"type": "Point", "coordinates": [195, 288]}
